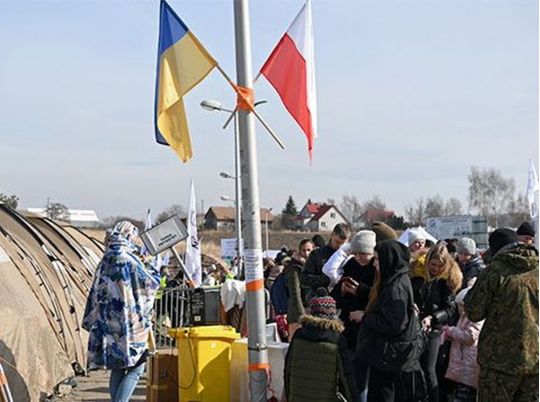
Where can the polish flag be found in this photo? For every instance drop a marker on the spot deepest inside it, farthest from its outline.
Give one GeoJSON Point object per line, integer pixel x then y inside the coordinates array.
{"type": "Point", "coordinates": [291, 71]}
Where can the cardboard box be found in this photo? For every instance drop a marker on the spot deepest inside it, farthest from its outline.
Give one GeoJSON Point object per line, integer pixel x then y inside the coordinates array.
{"type": "Point", "coordinates": [162, 377]}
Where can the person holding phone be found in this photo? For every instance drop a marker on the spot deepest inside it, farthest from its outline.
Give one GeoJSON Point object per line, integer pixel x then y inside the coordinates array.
{"type": "Point", "coordinates": [352, 294]}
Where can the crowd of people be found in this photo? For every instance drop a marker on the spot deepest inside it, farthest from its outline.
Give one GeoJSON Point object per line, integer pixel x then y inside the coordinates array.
{"type": "Point", "coordinates": [367, 317]}
{"type": "Point", "coordinates": [371, 319]}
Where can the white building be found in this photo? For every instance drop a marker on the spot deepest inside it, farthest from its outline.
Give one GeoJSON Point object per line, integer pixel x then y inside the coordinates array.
{"type": "Point", "coordinates": [83, 218]}
{"type": "Point", "coordinates": [325, 219]}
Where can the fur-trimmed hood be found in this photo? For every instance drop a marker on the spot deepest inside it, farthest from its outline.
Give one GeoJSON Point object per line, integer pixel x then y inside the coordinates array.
{"type": "Point", "coordinates": [327, 325]}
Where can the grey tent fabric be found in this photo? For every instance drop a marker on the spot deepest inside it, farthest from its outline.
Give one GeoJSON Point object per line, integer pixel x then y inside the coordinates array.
{"type": "Point", "coordinates": [45, 274]}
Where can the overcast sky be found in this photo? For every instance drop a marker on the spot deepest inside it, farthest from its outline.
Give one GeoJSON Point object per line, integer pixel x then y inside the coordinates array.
{"type": "Point", "coordinates": [411, 94]}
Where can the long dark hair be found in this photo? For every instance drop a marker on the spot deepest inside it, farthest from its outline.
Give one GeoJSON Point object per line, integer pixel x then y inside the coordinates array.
{"type": "Point", "coordinates": [374, 292]}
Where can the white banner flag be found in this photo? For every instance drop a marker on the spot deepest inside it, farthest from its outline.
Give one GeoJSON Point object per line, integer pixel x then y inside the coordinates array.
{"type": "Point", "coordinates": [532, 188]}
{"type": "Point", "coordinates": [193, 247]}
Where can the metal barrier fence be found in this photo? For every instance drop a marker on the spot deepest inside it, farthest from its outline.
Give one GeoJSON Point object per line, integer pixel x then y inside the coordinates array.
{"type": "Point", "coordinates": [172, 310]}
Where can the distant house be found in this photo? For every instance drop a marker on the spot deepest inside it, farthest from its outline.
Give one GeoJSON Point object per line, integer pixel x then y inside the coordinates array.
{"type": "Point", "coordinates": [222, 218]}
{"type": "Point", "coordinates": [308, 211]}
{"type": "Point", "coordinates": [81, 218]}
{"type": "Point", "coordinates": [325, 219]}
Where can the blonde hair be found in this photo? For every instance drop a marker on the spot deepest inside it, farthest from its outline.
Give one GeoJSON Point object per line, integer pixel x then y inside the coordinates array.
{"type": "Point", "coordinates": [451, 272]}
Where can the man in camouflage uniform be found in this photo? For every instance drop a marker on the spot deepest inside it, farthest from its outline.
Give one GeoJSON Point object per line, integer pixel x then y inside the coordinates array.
{"type": "Point", "coordinates": [506, 296]}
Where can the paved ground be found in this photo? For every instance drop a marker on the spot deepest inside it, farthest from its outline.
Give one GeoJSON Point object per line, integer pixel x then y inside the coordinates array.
{"type": "Point", "coordinates": [95, 388]}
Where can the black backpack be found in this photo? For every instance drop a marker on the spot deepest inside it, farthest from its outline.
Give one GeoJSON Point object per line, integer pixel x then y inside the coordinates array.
{"type": "Point", "coordinates": [279, 294]}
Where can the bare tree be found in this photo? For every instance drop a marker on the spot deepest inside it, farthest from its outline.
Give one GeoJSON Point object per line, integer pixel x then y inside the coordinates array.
{"type": "Point", "coordinates": [374, 202]}
{"type": "Point", "coordinates": [11, 201]}
{"type": "Point", "coordinates": [490, 193]}
{"type": "Point", "coordinates": [374, 209]}
{"type": "Point", "coordinates": [350, 207]}
{"type": "Point", "coordinates": [431, 207]}
{"type": "Point", "coordinates": [434, 206]}
{"type": "Point", "coordinates": [56, 210]}
{"type": "Point", "coordinates": [330, 201]}
{"type": "Point", "coordinates": [517, 213]}
{"type": "Point", "coordinates": [453, 207]}
{"type": "Point", "coordinates": [174, 209]}
{"type": "Point", "coordinates": [416, 213]}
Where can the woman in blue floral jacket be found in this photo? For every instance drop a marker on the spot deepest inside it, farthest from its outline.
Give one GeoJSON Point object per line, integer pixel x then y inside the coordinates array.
{"type": "Point", "coordinates": [119, 311]}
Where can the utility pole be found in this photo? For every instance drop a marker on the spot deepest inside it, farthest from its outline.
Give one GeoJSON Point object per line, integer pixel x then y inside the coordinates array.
{"type": "Point", "coordinates": [238, 199]}
{"type": "Point", "coordinates": [257, 348]}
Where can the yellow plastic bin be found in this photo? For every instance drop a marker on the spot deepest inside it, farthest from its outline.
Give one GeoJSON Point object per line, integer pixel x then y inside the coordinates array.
{"type": "Point", "coordinates": [204, 359]}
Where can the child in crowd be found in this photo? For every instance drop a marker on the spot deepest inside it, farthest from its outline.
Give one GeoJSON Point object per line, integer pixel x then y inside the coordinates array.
{"type": "Point", "coordinates": [463, 368]}
{"type": "Point", "coordinates": [318, 364]}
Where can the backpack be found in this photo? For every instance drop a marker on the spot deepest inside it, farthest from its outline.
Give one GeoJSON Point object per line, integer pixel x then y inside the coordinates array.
{"type": "Point", "coordinates": [279, 294]}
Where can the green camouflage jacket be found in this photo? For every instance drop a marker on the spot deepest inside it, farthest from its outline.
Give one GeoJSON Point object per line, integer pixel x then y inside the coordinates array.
{"type": "Point", "coordinates": [506, 296]}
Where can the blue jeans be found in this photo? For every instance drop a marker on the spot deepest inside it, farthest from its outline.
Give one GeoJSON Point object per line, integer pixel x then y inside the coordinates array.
{"type": "Point", "coordinates": [362, 374]}
{"type": "Point", "coordinates": [124, 381]}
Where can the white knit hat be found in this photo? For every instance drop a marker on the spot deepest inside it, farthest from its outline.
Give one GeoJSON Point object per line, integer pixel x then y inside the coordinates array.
{"type": "Point", "coordinates": [414, 235]}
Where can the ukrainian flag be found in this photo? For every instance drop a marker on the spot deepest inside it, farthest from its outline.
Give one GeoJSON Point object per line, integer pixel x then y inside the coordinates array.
{"type": "Point", "coordinates": [182, 63]}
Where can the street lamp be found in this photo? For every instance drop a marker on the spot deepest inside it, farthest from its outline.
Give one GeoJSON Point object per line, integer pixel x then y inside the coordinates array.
{"type": "Point", "coordinates": [210, 105]}
{"type": "Point", "coordinates": [266, 227]}
{"type": "Point", "coordinates": [214, 105]}
{"type": "Point", "coordinates": [226, 175]}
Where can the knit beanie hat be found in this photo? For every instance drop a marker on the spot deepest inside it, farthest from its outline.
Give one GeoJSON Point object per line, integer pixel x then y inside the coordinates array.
{"type": "Point", "coordinates": [415, 234]}
{"type": "Point", "coordinates": [500, 238]}
{"type": "Point", "coordinates": [466, 245]}
{"type": "Point", "coordinates": [363, 242]}
{"type": "Point", "coordinates": [323, 306]}
{"type": "Point", "coordinates": [526, 229]}
{"type": "Point", "coordinates": [383, 232]}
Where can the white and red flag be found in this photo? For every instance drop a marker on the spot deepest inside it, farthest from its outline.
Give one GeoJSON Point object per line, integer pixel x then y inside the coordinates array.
{"type": "Point", "coordinates": [291, 71]}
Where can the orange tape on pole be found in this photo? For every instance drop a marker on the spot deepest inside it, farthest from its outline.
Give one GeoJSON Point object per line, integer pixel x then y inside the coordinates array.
{"type": "Point", "coordinates": [255, 285]}
{"type": "Point", "coordinates": [244, 98]}
{"type": "Point", "coordinates": [258, 366]}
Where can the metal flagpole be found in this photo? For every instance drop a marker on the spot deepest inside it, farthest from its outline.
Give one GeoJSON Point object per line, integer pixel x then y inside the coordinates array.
{"type": "Point", "coordinates": [257, 348]}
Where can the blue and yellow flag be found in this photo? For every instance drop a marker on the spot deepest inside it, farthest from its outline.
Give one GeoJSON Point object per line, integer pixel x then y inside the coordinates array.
{"type": "Point", "coordinates": [182, 63]}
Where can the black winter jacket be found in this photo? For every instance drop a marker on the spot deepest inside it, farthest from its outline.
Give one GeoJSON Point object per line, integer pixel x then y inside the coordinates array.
{"type": "Point", "coordinates": [312, 275]}
{"type": "Point", "coordinates": [438, 302]}
{"type": "Point", "coordinates": [364, 275]}
{"type": "Point", "coordinates": [471, 269]}
{"type": "Point", "coordinates": [385, 326]}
